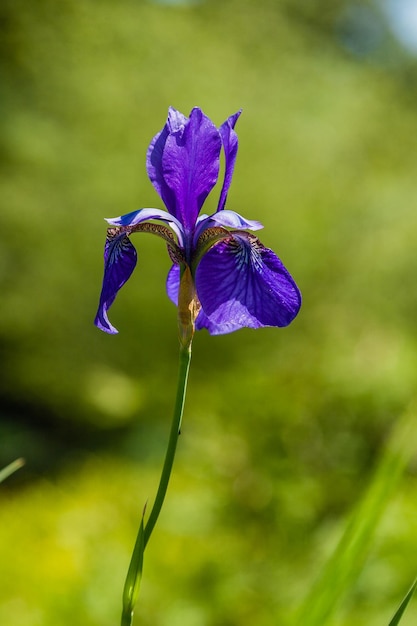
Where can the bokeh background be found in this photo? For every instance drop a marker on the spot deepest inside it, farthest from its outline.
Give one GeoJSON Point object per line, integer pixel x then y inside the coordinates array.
{"type": "Point", "coordinates": [286, 431]}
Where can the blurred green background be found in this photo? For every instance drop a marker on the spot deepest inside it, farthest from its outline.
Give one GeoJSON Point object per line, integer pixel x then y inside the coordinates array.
{"type": "Point", "coordinates": [284, 429]}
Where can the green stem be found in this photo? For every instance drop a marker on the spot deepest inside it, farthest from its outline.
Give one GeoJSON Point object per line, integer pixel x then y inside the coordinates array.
{"type": "Point", "coordinates": [131, 588]}
{"type": "Point", "coordinates": [184, 366]}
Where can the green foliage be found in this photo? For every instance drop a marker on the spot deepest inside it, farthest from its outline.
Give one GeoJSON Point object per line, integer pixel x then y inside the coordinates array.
{"type": "Point", "coordinates": [345, 564]}
{"type": "Point", "coordinates": [134, 577]}
{"type": "Point", "coordinates": [286, 431]}
{"type": "Point", "coordinates": [10, 469]}
{"type": "Point", "coordinates": [399, 613]}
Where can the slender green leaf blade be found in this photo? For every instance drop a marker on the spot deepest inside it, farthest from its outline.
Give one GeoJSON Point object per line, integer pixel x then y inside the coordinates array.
{"type": "Point", "coordinates": [399, 613]}
{"type": "Point", "coordinates": [10, 469]}
{"type": "Point", "coordinates": [134, 576]}
{"type": "Point", "coordinates": [343, 568]}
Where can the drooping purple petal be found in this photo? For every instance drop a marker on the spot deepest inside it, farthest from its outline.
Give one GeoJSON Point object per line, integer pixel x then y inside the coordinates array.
{"type": "Point", "coordinates": [240, 283]}
{"type": "Point", "coordinates": [190, 165]}
{"type": "Point", "coordinates": [119, 262]}
{"type": "Point", "coordinates": [173, 283]}
{"type": "Point", "coordinates": [230, 145]}
{"type": "Point", "coordinates": [203, 321]}
{"type": "Point", "coordinates": [143, 215]}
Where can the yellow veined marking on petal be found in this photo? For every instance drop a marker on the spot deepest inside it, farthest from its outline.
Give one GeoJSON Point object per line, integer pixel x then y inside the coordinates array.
{"type": "Point", "coordinates": [148, 227]}
{"type": "Point", "coordinates": [207, 240]}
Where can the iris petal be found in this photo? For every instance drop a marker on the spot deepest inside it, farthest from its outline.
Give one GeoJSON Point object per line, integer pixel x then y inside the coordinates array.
{"type": "Point", "coordinates": [231, 219]}
{"type": "Point", "coordinates": [240, 283]}
{"type": "Point", "coordinates": [173, 283]}
{"type": "Point", "coordinates": [142, 215]}
{"type": "Point", "coordinates": [203, 321]}
{"type": "Point", "coordinates": [119, 262]}
{"type": "Point", "coordinates": [226, 219]}
{"type": "Point", "coordinates": [154, 167]}
{"type": "Point", "coordinates": [230, 145]}
{"type": "Point", "coordinates": [189, 165]}
{"type": "Point", "coordinates": [176, 120]}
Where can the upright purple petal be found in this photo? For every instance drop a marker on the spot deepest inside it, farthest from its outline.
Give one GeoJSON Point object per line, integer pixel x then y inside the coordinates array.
{"type": "Point", "coordinates": [240, 283]}
{"type": "Point", "coordinates": [119, 262]}
{"type": "Point", "coordinates": [190, 165]}
{"type": "Point", "coordinates": [230, 145]}
{"type": "Point", "coordinates": [175, 122]}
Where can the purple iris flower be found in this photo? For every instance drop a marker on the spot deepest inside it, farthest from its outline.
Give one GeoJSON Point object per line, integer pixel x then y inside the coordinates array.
{"type": "Point", "coordinates": [232, 280]}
